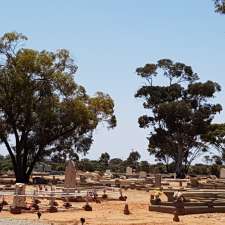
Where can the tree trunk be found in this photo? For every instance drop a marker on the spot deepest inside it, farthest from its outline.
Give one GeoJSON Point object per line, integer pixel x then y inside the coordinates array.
{"type": "Point", "coordinates": [22, 179]}
{"type": "Point", "coordinates": [20, 173]}
{"type": "Point", "coordinates": [179, 163]}
{"type": "Point", "coordinates": [20, 167]}
{"type": "Point", "coordinates": [21, 176]}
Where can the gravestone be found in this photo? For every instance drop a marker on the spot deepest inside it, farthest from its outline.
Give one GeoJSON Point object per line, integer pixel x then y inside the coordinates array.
{"type": "Point", "coordinates": [222, 173]}
{"type": "Point", "coordinates": [158, 179]}
{"type": "Point", "coordinates": [54, 182]}
{"type": "Point", "coordinates": [108, 173]}
{"type": "Point", "coordinates": [70, 176]}
{"type": "Point", "coordinates": [194, 182]}
{"type": "Point", "coordinates": [83, 179]}
{"type": "Point", "coordinates": [142, 174]}
{"type": "Point", "coordinates": [129, 171]}
{"type": "Point", "coordinates": [19, 201]}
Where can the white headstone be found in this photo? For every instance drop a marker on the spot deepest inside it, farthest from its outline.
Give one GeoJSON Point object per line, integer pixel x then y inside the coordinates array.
{"type": "Point", "coordinates": [108, 172]}
{"type": "Point", "coordinates": [129, 171]}
{"type": "Point", "coordinates": [222, 173]}
{"type": "Point", "coordinates": [142, 174]}
{"type": "Point", "coordinates": [70, 176]}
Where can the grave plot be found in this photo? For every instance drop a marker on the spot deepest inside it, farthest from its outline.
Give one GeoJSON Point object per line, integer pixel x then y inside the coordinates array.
{"type": "Point", "coordinates": [188, 202]}
{"type": "Point", "coordinates": [207, 184]}
{"type": "Point", "coordinates": [48, 199]}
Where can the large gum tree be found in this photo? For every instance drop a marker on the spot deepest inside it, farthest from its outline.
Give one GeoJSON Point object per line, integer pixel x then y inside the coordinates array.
{"type": "Point", "coordinates": [43, 111]}
{"type": "Point", "coordinates": [180, 112]}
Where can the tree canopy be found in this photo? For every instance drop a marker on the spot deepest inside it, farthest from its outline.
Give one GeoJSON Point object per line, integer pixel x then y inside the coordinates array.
{"type": "Point", "coordinates": [219, 6]}
{"type": "Point", "coordinates": [180, 111]}
{"type": "Point", "coordinates": [43, 111]}
{"type": "Point", "coordinates": [133, 159]}
{"type": "Point", "coordinates": [216, 138]}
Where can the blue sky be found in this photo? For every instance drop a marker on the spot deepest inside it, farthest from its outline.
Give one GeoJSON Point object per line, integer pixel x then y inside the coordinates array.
{"type": "Point", "coordinates": [110, 39]}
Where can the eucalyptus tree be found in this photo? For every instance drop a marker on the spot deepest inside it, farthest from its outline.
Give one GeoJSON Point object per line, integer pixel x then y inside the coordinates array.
{"type": "Point", "coordinates": [180, 112]}
{"type": "Point", "coordinates": [43, 111]}
{"type": "Point", "coordinates": [133, 159]}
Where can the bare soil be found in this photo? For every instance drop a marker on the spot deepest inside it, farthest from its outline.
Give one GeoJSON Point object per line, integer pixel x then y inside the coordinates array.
{"type": "Point", "coordinates": [111, 213]}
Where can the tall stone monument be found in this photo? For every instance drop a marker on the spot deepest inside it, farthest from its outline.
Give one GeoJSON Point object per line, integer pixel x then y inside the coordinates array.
{"type": "Point", "coordinates": [70, 176]}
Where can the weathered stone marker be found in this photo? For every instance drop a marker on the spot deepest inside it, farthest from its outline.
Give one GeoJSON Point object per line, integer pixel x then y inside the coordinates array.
{"type": "Point", "coordinates": [83, 179]}
{"type": "Point", "coordinates": [222, 173]}
{"type": "Point", "coordinates": [142, 174]}
{"type": "Point", "coordinates": [19, 201]}
{"type": "Point", "coordinates": [158, 179]}
{"type": "Point", "coordinates": [129, 171]}
{"type": "Point", "coordinates": [70, 177]}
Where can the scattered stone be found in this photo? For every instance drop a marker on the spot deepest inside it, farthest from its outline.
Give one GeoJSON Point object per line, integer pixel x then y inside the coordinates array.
{"type": "Point", "coordinates": [53, 209]}
{"type": "Point", "coordinates": [4, 202]}
{"type": "Point", "coordinates": [87, 207]}
{"type": "Point", "coordinates": [104, 196]}
{"type": "Point", "coordinates": [55, 203]}
{"type": "Point", "coordinates": [82, 220]}
{"type": "Point", "coordinates": [126, 209]}
{"type": "Point", "coordinates": [35, 206]}
{"type": "Point", "coordinates": [15, 210]}
{"type": "Point", "coordinates": [37, 201]}
{"type": "Point", "coordinates": [67, 205]}
{"type": "Point", "coordinates": [39, 214]}
{"type": "Point", "coordinates": [176, 217]}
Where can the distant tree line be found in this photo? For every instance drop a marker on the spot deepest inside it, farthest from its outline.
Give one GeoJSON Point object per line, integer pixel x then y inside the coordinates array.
{"type": "Point", "coordinates": [211, 166]}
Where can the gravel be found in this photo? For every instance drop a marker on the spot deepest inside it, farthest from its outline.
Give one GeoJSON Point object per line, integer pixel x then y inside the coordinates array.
{"type": "Point", "coordinates": [19, 222]}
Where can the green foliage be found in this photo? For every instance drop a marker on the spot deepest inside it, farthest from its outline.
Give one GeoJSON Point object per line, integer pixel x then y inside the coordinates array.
{"type": "Point", "coordinates": [133, 159]}
{"type": "Point", "coordinates": [104, 161]}
{"type": "Point", "coordinates": [200, 169]}
{"type": "Point", "coordinates": [216, 137]}
{"type": "Point", "coordinates": [104, 158]}
{"type": "Point", "coordinates": [43, 110]}
{"type": "Point", "coordinates": [57, 166]}
{"type": "Point", "coordinates": [117, 165]}
{"type": "Point", "coordinates": [219, 6]}
{"type": "Point", "coordinates": [144, 166]}
{"type": "Point", "coordinates": [90, 165]}
{"type": "Point", "coordinates": [5, 163]}
{"type": "Point", "coordinates": [180, 112]}
{"type": "Point", "coordinates": [215, 170]}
